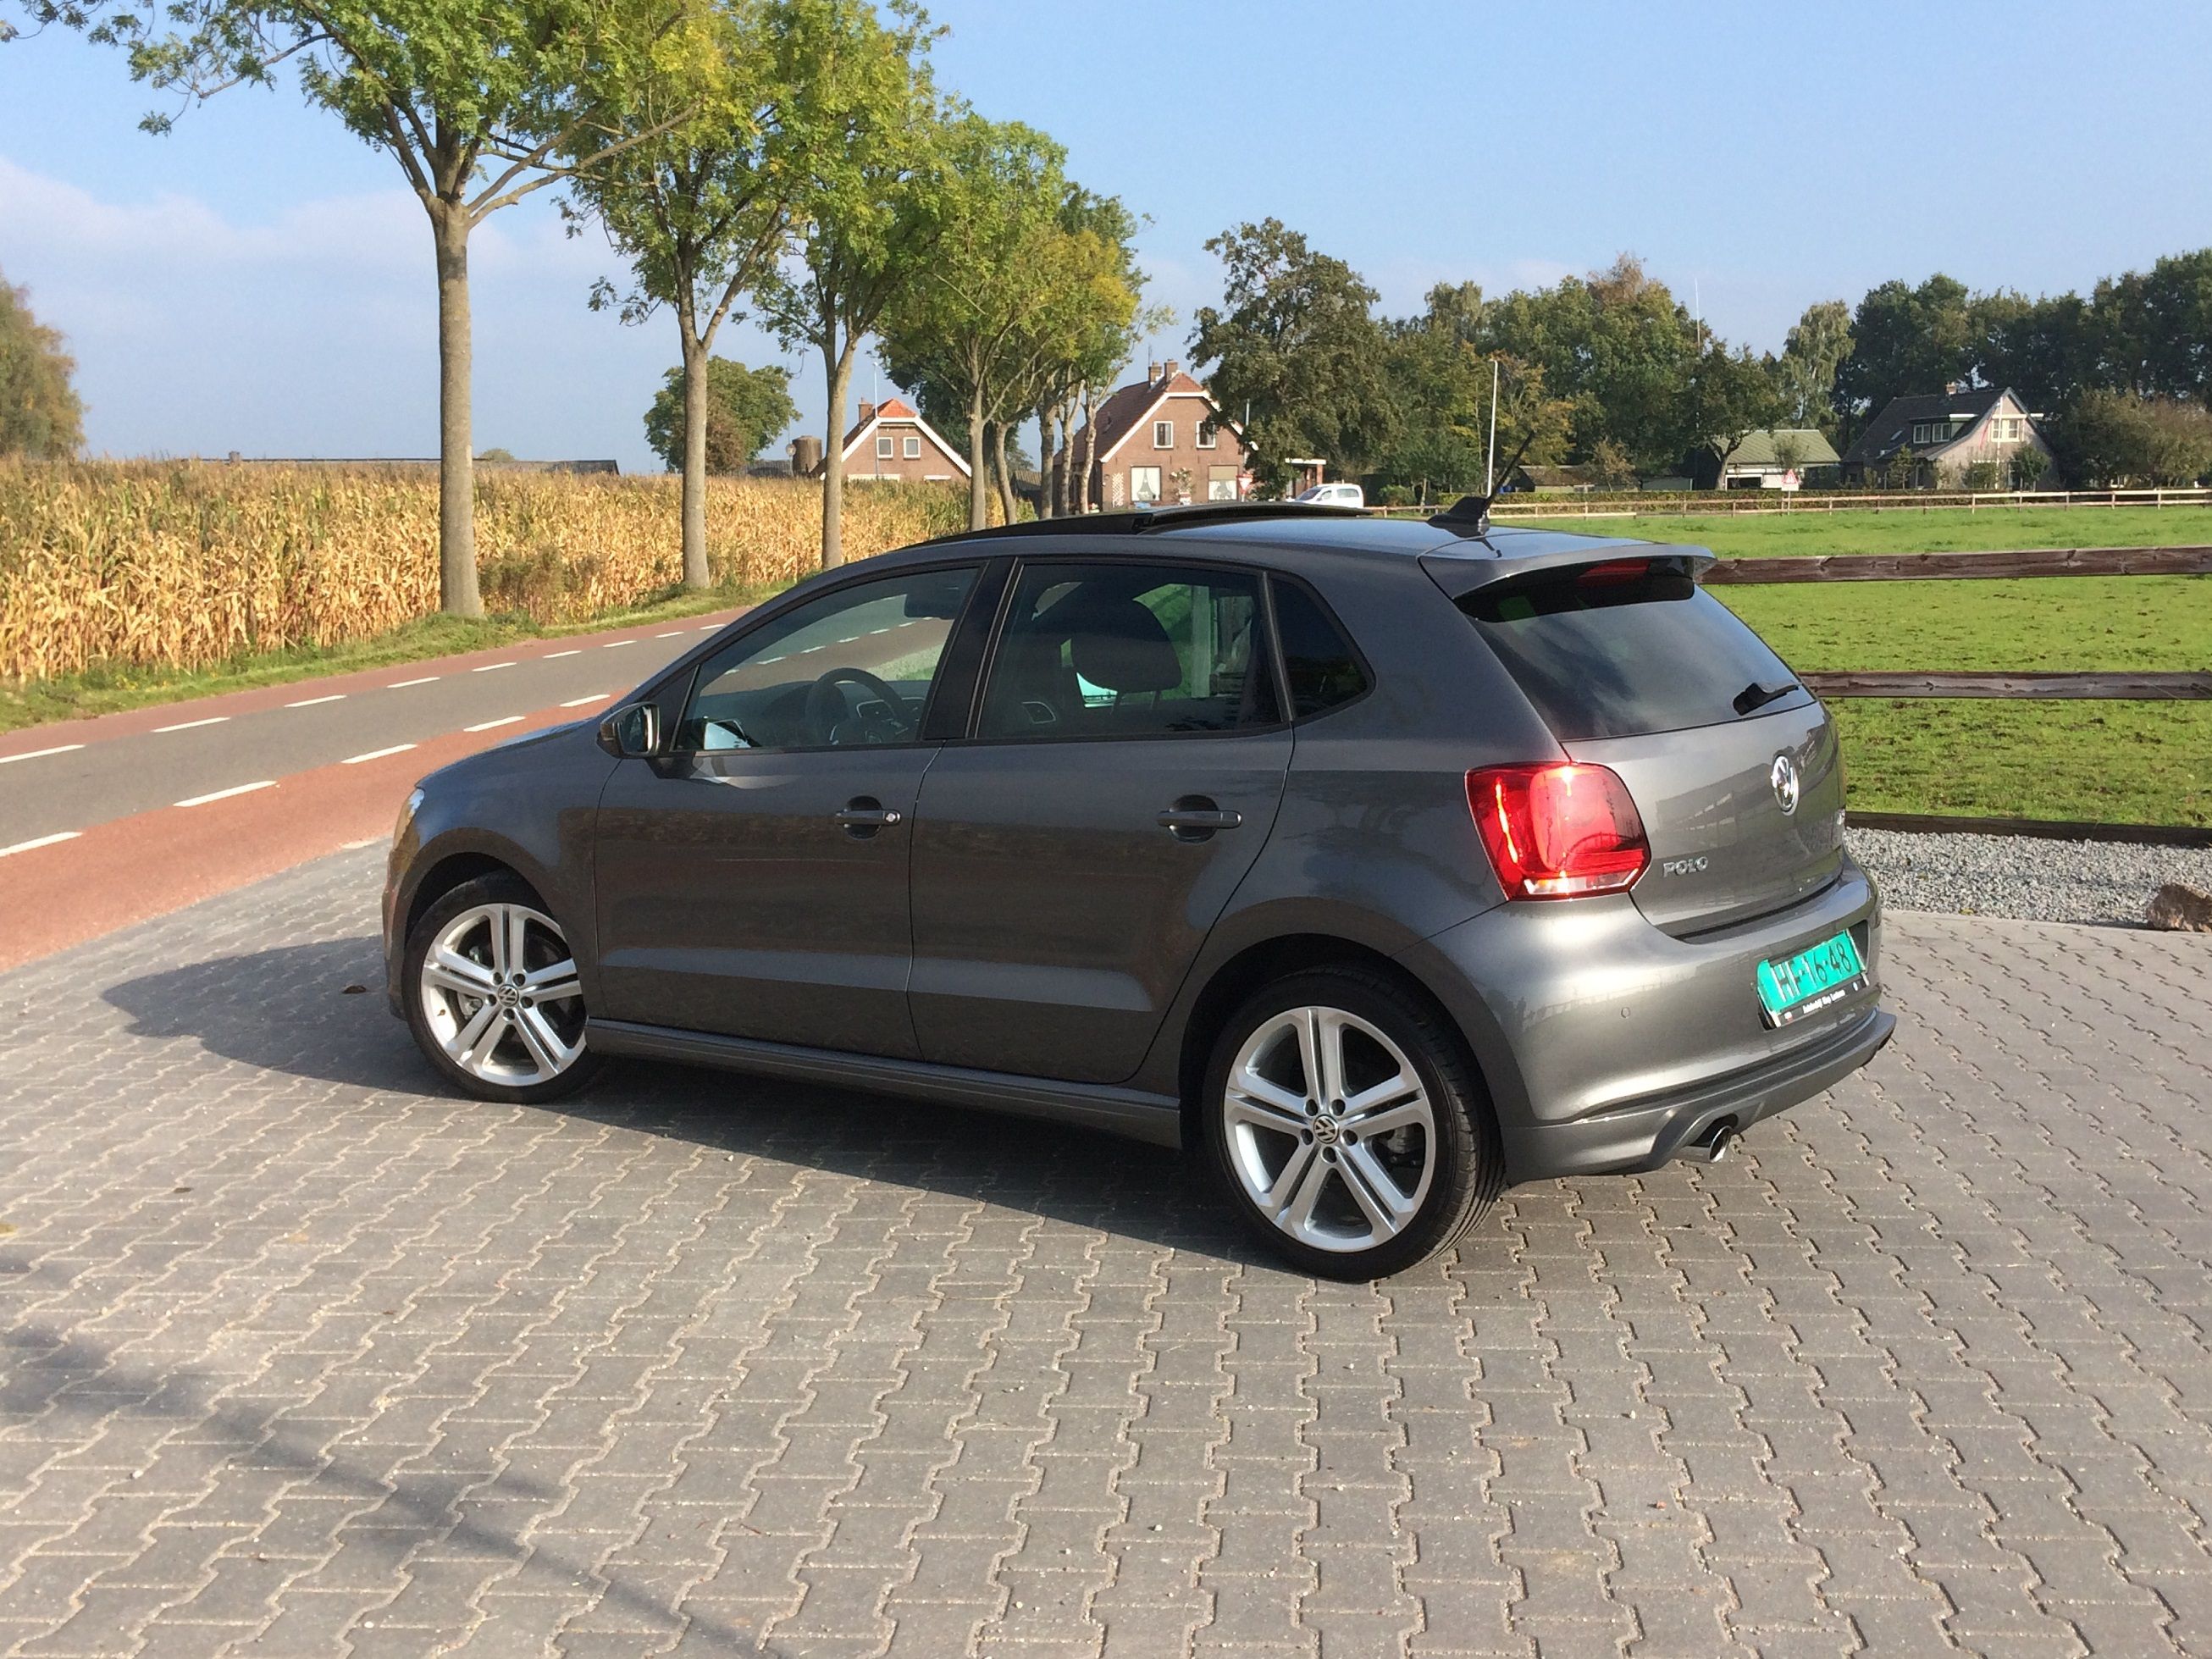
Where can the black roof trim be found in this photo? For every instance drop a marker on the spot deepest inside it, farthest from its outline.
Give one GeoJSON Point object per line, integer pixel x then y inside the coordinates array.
{"type": "Point", "coordinates": [1158, 518]}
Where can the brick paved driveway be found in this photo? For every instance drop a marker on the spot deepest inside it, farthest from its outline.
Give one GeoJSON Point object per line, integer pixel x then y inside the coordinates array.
{"type": "Point", "coordinates": [301, 1358]}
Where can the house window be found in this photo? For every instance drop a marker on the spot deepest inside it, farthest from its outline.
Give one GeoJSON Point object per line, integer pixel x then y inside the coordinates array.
{"type": "Point", "coordinates": [1209, 432]}
{"type": "Point", "coordinates": [1221, 483]}
{"type": "Point", "coordinates": [2008, 429]}
{"type": "Point", "coordinates": [914, 449]}
{"type": "Point", "coordinates": [1920, 431]}
{"type": "Point", "coordinates": [1144, 483]}
{"type": "Point", "coordinates": [884, 446]}
{"type": "Point", "coordinates": [1163, 434]}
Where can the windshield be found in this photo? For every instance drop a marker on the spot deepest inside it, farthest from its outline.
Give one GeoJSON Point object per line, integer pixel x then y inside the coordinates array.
{"type": "Point", "coordinates": [1629, 647]}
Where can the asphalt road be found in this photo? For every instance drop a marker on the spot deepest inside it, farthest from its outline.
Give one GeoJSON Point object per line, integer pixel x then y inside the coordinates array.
{"type": "Point", "coordinates": [107, 821]}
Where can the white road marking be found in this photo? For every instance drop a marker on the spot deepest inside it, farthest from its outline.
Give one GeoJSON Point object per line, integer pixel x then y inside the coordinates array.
{"type": "Point", "coordinates": [42, 841]}
{"type": "Point", "coordinates": [376, 753]}
{"type": "Point", "coordinates": [225, 794]}
{"type": "Point", "coordinates": [486, 725]}
{"type": "Point", "coordinates": [677, 633]}
{"type": "Point", "coordinates": [612, 644]}
{"type": "Point", "coordinates": [187, 726]}
{"type": "Point", "coordinates": [486, 668]}
{"type": "Point", "coordinates": [710, 628]}
{"type": "Point", "coordinates": [34, 754]}
{"type": "Point", "coordinates": [309, 702]}
{"type": "Point", "coordinates": [550, 655]}
{"type": "Point", "coordinates": [578, 702]}
{"type": "Point", "coordinates": [401, 685]}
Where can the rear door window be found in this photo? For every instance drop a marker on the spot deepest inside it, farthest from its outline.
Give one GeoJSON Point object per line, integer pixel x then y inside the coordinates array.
{"type": "Point", "coordinates": [1098, 651]}
{"type": "Point", "coordinates": [1318, 660]}
{"type": "Point", "coordinates": [1629, 647]}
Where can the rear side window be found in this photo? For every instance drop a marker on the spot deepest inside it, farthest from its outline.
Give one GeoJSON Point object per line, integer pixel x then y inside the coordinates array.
{"type": "Point", "coordinates": [1129, 651]}
{"type": "Point", "coordinates": [1322, 668]}
{"type": "Point", "coordinates": [1629, 647]}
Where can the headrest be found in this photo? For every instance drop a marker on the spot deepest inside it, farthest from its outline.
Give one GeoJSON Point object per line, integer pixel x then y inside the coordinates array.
{"type": "Point", "coordinates": [1118, 644]}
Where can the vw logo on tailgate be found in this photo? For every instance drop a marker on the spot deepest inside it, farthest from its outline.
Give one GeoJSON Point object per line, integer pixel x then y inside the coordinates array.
{"type": "Point", "coordinates": [1783, 777]}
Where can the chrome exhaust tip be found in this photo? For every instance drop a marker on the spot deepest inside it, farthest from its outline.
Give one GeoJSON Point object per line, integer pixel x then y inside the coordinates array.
{"type": "Point", "coordinates": [1714, 1146]}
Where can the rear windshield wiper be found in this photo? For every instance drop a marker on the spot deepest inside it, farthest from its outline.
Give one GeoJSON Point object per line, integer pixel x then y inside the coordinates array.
{"type": "Point", "coordinates": [1756, 696]}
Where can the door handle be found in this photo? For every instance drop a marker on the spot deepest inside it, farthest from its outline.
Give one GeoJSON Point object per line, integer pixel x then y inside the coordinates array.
{"type": "Point", "coordinates": [863, 815]}
{"type": "Point", "coordinates": [1196, 817]}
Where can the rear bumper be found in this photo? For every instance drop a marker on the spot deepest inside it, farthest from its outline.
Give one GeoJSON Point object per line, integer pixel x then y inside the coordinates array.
{"type": "Point", "coordinates": [1646, 1133]}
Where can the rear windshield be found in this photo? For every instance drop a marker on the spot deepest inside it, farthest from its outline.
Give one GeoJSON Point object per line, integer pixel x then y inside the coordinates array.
{"type": "Point", "coordinates": [1627, 648]}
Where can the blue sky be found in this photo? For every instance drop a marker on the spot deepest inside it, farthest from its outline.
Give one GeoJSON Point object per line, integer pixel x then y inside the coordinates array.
{"type": "Point", "coordinates": [259, 281]}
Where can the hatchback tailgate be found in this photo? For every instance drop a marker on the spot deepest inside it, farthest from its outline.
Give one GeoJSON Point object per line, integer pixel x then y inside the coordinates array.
{"type": "Point", "coordinates": [1744, 818]}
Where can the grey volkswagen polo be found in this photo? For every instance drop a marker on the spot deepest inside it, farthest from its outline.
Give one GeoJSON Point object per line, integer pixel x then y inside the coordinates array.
{"type": "Point", "coordinates": [1388, 862]}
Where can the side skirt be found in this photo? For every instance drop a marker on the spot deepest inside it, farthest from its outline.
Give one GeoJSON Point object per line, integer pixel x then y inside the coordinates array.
{"type": "Point", "coordinates": [1132, 1112]}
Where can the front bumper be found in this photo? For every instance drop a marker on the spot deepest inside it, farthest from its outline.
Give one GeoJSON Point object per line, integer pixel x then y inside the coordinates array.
{"type": "Point", "coordinates": [1646, 1133]}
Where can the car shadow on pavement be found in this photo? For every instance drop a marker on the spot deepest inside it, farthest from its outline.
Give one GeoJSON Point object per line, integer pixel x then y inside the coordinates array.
{"type": "Point", "coordinates": [318, 1012]}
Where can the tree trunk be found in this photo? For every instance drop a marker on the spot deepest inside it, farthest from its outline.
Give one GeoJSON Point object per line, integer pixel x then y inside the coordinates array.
{"type": "Point", "coordinates": [695, 389]}
{"type": "Point", "coordinates": [1007, 504]}
{"type": "Point", "coordinates": [979, 465]}
{"type": "Point", "coordinates": [840, 364]}
{"type": "Point", "coordinates": [456, 484]}
{"type": "Point", "coordinates": [1049, 506]}
{"type": "Point", "coordinates": [1084, 461]}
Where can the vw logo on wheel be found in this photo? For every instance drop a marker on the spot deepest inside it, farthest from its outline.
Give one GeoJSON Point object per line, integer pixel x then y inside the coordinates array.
{"type": "Point", "coordinates": [1783, 777]}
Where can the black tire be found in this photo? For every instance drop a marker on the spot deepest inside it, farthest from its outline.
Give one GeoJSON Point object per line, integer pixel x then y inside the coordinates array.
{"type": "Point", "coordinates": [503, 888]}
{"type": "Point", "coordinates": [1465, 1166]}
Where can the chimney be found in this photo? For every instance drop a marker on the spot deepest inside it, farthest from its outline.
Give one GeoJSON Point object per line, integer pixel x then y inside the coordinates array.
{"type": "Point", "coordinates": [867, 413]}
{"type": "Point", "coordinates": [1151, 373]}
{"type": "Point", "coordinates": [1174, 369]}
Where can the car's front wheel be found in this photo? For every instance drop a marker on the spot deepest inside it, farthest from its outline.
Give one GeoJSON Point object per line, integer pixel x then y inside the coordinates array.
{"type": "Point", "coordinates": [1347, 1127]}
{"type": "Point", "coordinates": [492, 993]}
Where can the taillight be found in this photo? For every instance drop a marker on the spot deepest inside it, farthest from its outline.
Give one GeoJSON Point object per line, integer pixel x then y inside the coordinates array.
{"type": "Point", "coordinates": [1558, 831]}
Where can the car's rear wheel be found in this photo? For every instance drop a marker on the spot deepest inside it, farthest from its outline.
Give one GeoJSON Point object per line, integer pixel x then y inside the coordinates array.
{"type": "Point", "coordinates": [1346, 1125]}
{"type": "Point", "coordinates": [492, 993]}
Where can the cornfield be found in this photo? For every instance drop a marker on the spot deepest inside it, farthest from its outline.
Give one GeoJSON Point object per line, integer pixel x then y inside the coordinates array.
{"type": "Point", "coordinates": [186, 565]}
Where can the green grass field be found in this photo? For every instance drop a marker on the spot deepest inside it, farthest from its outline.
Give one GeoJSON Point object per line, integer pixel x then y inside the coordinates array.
{"type": "Point", "coordinates": [1907, 530]}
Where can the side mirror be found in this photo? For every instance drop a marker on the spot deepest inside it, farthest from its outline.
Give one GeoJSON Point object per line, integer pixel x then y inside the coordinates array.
{"type": "Point", "coordinates": [632, 733]}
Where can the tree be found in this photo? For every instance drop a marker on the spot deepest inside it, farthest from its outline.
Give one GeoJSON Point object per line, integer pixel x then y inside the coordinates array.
{"type": "Point", "coordinates": [1097, 335]}
{"type": "Point", "coordinates": [1789, 452]}
{"type": "Point", "coordinates": [1293, 339]}
{"type": "Point", "coordinates": [1008, 285]}
{"type": "Point", "coordinates": [743, 407]}
{"type": "Point", "coordinates": [478, 103]}
{"type": "Point", "coordinates": [2110, 438]}
{"type": "Point", "coordinates": [1806, 371]}
{"type": "Point", "coordinates": [1904, 340]}
{"type": "Point", "coordinates": [2155, 328]}
{"type": "Point", "coordinates": [1730, 396]}
{"type": "Point", "coordinates": [1617, 346]}
{"type": "Point", "coordinates": [700, 211]}
{"type": "Point", "coordinates": [39, 414]}
{"type": "Point", "coordinates": [865, 205]}
{"type": "Point", "coordinates": [2046, 349]}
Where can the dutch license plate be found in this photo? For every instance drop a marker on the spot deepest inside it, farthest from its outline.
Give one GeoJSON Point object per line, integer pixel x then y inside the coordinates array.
{"type": "Point", "coordinates": [1790, 987]}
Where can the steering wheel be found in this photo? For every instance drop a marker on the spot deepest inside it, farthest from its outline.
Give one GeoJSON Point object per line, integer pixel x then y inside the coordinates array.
{"type": "Point", "coordinates": [827, 712]}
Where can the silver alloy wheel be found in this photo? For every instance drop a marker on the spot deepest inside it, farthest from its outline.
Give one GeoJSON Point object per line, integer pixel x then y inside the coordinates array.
{"type": "Point", "coordinates": [1329, 1129]}
{"type": "Point", "coordinates": [500, 995]}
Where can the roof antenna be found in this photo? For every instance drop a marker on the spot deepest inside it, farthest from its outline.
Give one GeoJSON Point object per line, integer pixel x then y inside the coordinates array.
{"type": "Point", "coordinates": [1470, 514]}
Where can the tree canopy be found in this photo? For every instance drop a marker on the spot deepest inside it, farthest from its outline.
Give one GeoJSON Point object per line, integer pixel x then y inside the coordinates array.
{"type": "Point", "coordinates": [1294, 344]}
{"type": "Point", "coordinates": [746, 407]}
{"type": "Point", "coordinates": [39, 415]}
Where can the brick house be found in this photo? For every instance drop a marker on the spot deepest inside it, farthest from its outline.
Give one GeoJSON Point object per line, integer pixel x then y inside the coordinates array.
{"type": "Point", "coordinates": [1160, 439]}
{"type": "Point", "coordinates": [1946, 431]}
{"type": "Point", "coordinates": [892, 441]}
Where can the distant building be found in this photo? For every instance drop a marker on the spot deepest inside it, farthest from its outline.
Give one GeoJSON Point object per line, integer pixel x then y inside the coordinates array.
{"type": "Point", "coordinates": [1947, 433]}
{"type": "Point", "coordinates": [891, 442]}
{"type": "Point", "coordinates": [1160, 439]}
{"type": "Point", "coordinates": [1756, 463]}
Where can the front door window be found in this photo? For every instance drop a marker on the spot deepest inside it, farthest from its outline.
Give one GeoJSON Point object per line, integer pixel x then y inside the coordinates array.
{"type": "Point", "coordinates": [853, 667]}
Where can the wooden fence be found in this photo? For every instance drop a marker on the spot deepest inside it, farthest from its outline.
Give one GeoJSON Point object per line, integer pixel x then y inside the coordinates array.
{"type": "Point", "coordinates": [2129, 684]}
{"type": "Point", "coordinates": [1597, 504]}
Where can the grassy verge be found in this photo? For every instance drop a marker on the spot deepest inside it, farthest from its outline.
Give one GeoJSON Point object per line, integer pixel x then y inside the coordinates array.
{"type": "Point", "coordinates": [2071, 623]}
{"type": "Point", "coordinates": [2114, 762]}
{"type": "Point", "coordinates": [1908, 529]}
{"type": "Point", "coordinates": [108, 689]}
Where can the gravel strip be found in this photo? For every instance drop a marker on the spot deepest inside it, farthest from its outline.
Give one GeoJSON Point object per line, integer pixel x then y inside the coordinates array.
{"type": "Point", "coordinates": [2021, 876]}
